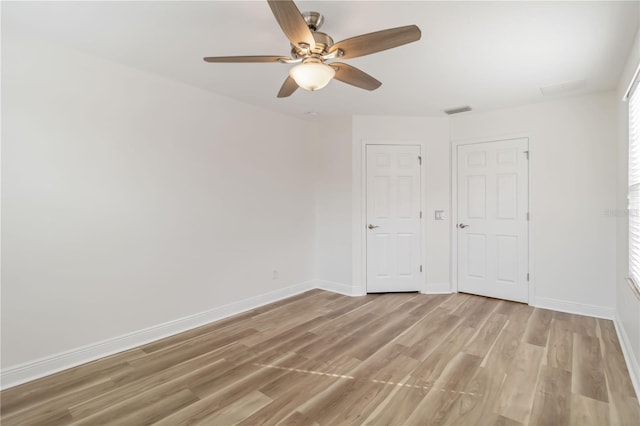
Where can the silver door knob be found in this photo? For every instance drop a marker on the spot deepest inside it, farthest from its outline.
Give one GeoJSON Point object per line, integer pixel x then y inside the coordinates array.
{"type": "Point", "coordinates": [462, 225]}
{"type": "Point", "coordinates": [373, 226]}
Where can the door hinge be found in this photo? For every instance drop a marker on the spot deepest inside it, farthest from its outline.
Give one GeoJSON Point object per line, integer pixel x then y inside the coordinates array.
{"type": "Point", "coordinates": [527, 215]}
{"type": "Point", "coordinates": [526, 153]}
{"type": "Point", "coordinates": [420, 268]}
{"type": "Point", "coordinates": [420, 159]}
{"type": "Point", "coordinates": [527, 276]}
{"type": "Point", "coordinates": [420, 214]}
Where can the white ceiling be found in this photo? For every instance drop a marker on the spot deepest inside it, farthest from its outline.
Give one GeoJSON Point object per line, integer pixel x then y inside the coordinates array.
{"type": "Point", "coordinates": [485, 54]}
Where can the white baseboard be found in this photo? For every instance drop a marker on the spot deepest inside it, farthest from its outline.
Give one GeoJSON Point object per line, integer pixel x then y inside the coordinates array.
{"type": "Point", "coordinates": [335, 287]}
{"type": "Point", "coordinates": [438, 288]}
{"type": "Point", "coordinates": [32, 370]}
{"type": "Point", "coordinates": [574, 308]}
{"type": "Point", "coordinates": [627, 351]}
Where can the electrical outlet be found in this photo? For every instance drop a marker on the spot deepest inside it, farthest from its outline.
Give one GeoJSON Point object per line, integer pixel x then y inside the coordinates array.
{"type": "Point", "coordinates": [439, 215]}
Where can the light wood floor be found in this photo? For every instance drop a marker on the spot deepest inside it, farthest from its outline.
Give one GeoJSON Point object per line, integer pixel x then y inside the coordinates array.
{"type": "Point", "coordinates": [322, 358]}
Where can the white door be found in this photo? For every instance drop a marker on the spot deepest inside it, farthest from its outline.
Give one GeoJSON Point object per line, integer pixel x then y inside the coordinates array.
{"type": "Point", "coordinates": [393, 218]}
{"type": "Point", "coordinates": [492, 218]}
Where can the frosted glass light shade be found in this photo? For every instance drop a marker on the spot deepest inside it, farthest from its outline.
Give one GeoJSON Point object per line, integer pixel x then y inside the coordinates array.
{"type": "Point", "coordinates": [312, 74]}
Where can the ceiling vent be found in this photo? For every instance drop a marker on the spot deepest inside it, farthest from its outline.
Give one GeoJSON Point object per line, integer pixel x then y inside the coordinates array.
{"type": "Point", "coordinates": [457, 110]}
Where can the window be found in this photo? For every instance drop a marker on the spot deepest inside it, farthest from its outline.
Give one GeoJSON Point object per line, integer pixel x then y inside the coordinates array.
{"type": "Point", "coordinates": [633, 96]}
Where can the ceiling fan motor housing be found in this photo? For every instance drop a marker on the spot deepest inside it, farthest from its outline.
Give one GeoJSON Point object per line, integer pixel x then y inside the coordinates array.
{"type": "Point", "coordinates": [323, 41]}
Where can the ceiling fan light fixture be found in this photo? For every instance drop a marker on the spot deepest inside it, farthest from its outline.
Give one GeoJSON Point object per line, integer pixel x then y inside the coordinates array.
{"type": "Point", "coordinates": [312, 74]}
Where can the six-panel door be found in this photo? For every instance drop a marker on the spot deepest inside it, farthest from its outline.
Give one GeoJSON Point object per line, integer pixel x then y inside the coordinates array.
{"type": "Point", "coordinates": [492, 219]}
{"type": "Point", "coordinates": [393, 218]}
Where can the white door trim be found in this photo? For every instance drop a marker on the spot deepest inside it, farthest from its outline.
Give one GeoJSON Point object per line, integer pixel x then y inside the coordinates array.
{"type": "Point", "coordinates": [362, 219]}
{"type": "Point", "coordinates": [454, 207]}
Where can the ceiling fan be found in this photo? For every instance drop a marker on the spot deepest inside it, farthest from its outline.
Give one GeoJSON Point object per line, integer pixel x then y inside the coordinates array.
{"type": "Point", "coordinates": [311, 49]}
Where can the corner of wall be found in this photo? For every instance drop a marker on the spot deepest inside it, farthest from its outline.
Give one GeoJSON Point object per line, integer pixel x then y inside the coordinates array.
{"type": "Point", "coordinates": [340, 288]}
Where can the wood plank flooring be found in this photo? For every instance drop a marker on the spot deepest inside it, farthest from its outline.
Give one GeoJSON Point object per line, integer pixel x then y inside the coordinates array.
{"type": "Point", "coordinates": [324, 359]}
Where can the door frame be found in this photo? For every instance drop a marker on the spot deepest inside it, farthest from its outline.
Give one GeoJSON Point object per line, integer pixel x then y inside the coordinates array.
{"type": "Point", "coordinates": [454, 207]}
{"type": "Point", "coordinates": [363, 207]}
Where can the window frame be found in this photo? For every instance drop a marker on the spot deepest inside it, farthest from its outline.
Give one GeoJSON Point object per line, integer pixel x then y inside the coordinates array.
{"type": "Point", "coordinates": [632, 97]}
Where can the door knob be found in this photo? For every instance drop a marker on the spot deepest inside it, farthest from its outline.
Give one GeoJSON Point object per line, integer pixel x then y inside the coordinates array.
{"type": "Point", "coordinates": [373, 226]}
{"type": "Point", "coordinates": [462, 225]}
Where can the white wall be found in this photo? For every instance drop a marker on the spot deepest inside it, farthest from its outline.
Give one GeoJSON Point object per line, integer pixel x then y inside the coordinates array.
{"type": "Point", "coordinates": [573, 173]}
{"type": "Point", "coordinates": [435, 133]}
{"type": "Point", "coordinates": [130, 200]}
{"type": "Point", "coordinates": [627, 304]}
{"type": "Point", "coordinates": [333, 204]}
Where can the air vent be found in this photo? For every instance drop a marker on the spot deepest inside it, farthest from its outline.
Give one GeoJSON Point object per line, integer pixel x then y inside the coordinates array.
{"type": "Point", "coordinates": [457, 110]}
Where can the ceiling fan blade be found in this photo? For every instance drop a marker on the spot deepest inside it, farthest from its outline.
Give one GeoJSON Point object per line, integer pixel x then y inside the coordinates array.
{"type": "Point", "coordinates": [376, 42]}
{"type": "Point", "coordinates": [288, 87]}
{"type": "Point", "coordinates": [292, 23]}
{"type": "Point", "coordinates": [355, 77]}
{"type": "Point", "coordinates": [236, 59]}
